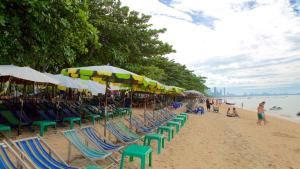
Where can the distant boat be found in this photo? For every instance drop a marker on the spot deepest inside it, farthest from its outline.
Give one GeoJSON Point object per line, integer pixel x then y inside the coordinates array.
{"type": "Point", "coordinates": [230, 103]}
{"type": "Point", "coordinates": [275, 108]}
{"type": "Point", "coordinates": [298, 114]}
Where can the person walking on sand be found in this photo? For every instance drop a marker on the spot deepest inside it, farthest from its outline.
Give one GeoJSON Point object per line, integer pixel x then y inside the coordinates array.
{"type": "Point", "coordinates": [261, 113]}
{"type": "Point", "coordinates": [207, 105]}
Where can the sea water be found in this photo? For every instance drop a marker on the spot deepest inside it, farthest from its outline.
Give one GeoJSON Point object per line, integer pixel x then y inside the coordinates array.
{"type": "Point", "coordinates": [289, 103]}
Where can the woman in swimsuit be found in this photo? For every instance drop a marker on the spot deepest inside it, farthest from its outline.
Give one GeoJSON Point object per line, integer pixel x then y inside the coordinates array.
{"type": "Point", "coordinates": [261, 113]}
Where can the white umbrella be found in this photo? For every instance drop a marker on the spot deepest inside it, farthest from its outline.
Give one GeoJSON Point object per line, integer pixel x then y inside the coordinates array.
{"type": "Point", "coordinates": [25, 73]}
{"type": "Point", "coordinates": [106, 68]}
{"type": "Point", "coordinates": [193, 92]}
{"type": "Point", "coordinates": [75, 83]}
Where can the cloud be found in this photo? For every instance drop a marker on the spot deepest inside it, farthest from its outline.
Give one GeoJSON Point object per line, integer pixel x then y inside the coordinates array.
{"type": "Point", "coordinates": [235, 43]}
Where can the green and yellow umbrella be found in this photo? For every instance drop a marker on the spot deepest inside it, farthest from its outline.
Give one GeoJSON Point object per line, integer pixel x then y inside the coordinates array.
{"type": "Point", "coordinates": [105, 74]}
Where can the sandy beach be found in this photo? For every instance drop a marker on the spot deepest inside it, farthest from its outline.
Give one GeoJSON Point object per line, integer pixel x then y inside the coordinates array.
{"type": "Point", "coordinates": [215, 141]}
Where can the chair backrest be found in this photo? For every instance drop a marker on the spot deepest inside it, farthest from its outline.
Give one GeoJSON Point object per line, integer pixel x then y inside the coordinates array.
{"type": "Point", "coordinates": [10, 117]}
{"type": "Point", "coordinates": [5, 160]}
{"type": "Point", "coordinates": [98, 140]}
{"type": "Point", "coordinates": [38, 154]}
{"type": "Point", "coordinates": [89, 152]}
{"type": "Point", "coordinates": [119, 134]}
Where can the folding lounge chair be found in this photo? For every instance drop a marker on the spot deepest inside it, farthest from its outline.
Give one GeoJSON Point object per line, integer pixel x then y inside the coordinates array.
{"type": "Point", "coordinates": [99, 141]}
{"type": "Point", "coordinates": [126, 130]}
{"type": "Point", "coordinates": [140, 126]}
{"type": "Point", "coordinates": [120, 135]}
{"type": "Point", "coordinates": [36, 150]}
{"type": "Point", "coordinates": [6, 161]}
{"type": "Point", "coordinates": [89, 151]}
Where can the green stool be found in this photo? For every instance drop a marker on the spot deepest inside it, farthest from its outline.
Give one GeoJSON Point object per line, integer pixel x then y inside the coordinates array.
{"type": "Point", "coordinates": [185, 114]}
{"type": "Point", "coordinates": [72, 120]}
{"type": "Point", "coordinates": [153, 136]}
{"type": "Point", "coordinates": [6, 129]}
{"type": "Point", "coordinates": [168, 129]}
{"type": "Point", "coordinates": [174, 124]}
{"type": "Point", "coordinates": [43, 125]}
{"type": "Point", "coordinates": [92, 167]}
{"type": "Point", "coordinates": [179, 119]}
{"type": "Point", "coordinates": [135, 150]}
{"type": "Point", "coordinates": [182, 116]}
{"type": "Point", "coordinates": [93, 117]}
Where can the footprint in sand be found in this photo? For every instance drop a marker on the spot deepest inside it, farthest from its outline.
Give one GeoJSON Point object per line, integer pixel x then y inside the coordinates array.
{"type": "Point", "coordinates": [278, 134]}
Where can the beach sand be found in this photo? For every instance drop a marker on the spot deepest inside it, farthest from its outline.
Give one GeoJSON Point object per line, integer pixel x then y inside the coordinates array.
{"type": "Point", "coordinates": [216, 141]}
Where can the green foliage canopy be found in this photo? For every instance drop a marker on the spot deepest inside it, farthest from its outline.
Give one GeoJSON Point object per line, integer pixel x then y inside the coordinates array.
{"type": "Point", "coordinates": [49, 35]}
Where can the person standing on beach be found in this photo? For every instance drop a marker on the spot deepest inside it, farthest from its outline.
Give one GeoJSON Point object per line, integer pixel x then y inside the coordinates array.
{"type": "Point", "coordinates": [261, 113]}
{"type": "Point", "coordinates": [207, 105]}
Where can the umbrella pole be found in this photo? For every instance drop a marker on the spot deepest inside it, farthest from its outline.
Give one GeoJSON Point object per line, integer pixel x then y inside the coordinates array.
{"type": "Point", "coordinates": [154, 104]}
{"type": "Point", "coordinates": [20, 118]}
{"type": "Point", "coordinates": [105, 108]}
{"type": "Point", "coordinates": [145, 107]}
{"type": "Point", "coordinates": [131, 108]}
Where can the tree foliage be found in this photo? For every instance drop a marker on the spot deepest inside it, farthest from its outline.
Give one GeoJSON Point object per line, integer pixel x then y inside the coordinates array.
{"type": "Point", "coordinates": [49, 35]}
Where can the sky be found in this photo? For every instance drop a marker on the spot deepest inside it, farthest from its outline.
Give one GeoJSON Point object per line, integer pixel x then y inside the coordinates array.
{"type": "Point", "coordinates": [243, 45]}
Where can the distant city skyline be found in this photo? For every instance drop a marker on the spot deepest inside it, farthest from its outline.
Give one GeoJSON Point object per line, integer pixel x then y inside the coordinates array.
{"type": "Point", "coordinates": [222, 91]}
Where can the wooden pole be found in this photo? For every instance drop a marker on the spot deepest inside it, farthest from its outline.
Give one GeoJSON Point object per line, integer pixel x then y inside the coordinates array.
{"type": "Point", "coordinates": [131, 92]}
{"type": "Point", "coordinates": [145, 108]}
{"type": "Point", "coordinates": [105, 108]}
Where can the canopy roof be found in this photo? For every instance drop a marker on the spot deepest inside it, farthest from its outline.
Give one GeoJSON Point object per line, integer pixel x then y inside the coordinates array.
{"type": "Point", "coordinates": [113, 74]}
{"type": "Point", "coordinates": [25, 73]}
{"type": "Point", "coordinates": [193, 93]}
{"type": "Point", "coordinates": [76, 83]}
{"type": "Point", "coordinates": [104, 73]}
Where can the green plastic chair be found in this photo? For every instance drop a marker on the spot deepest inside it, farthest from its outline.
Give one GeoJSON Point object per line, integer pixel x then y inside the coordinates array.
{"type": "Point", "coordinates": [179, 119]}
{"type": "Point", "coordinates": [135, 150]}
{"type": "Point", "coordinates": [154, 136]}
{"type": "Point", "coordinates": [72, 121]}
{"type": "Point", "coordinates": [5, 128]}
{"type": "Point", "coordinates": [43, 125]}
{"type": "Point", "coordinates": [174, 124]}
{"type": "Point", "coordinates": [167, 129]}
{"type": "Point", "coordinates": [182, 116]}
{"type": "Point", "coordinates": [185, 114]}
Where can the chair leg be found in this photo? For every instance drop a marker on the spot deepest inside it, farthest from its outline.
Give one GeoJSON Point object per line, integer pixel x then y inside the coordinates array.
{"type": "Point", "coordinates": [163, 142]}
{"type": "Point", "coordinates": [122, 161]}
{"type": "Point", "coordinates": [150, 159]}
{"type": "Point", "coordinates": [143, 162]}
{"type": "Point", "coordinates": [158, 146]}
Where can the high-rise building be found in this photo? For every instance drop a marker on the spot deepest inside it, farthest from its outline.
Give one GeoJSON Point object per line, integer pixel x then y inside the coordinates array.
{"type": "Point", "coordinates": [215, 91]}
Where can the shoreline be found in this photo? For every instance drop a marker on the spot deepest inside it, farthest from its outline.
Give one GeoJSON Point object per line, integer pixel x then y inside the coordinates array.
{"type": "Point", "coordinates": [273, 115]}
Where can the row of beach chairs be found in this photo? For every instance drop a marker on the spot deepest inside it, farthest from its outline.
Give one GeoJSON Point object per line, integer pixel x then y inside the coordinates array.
{"type": "Point", "coordinates": [36, 153]}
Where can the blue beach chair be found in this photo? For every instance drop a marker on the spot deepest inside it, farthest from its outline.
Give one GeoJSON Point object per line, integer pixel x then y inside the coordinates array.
{"type": "Point", "coordinates": [99, 141]}
{"type": "Point", "coordinates": [90, 152]}
{"type": "Point", "coordinates": [36, 149]}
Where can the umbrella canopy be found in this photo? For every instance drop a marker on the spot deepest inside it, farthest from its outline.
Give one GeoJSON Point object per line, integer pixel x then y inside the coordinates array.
{"type": "Point", "coordinates": [193, 93]}
{"type": "Point", "coordinates": [173, 90]}
{"type": "Point", "coordinates": [75, 83]}
{"type": "Point", "coordinates": [104, 73]}
{"type": "Point", "coordinates": [25, 73]}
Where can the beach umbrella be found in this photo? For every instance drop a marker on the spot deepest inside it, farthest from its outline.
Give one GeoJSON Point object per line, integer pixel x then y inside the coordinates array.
{"type": "Point", "coordinates": [105, 74]}
{"type": "Point", "coordinates": [193, 93]}
{"type": "Point", "coordinates": [75, 83]}
{"type": "Point", "coordinates": [25, 74]}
